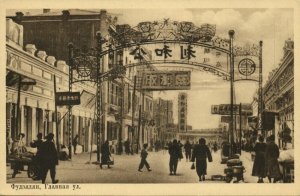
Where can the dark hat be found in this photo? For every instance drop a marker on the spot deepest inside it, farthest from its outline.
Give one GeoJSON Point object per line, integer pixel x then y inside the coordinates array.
{"type": "Point", "coordinates": [39, 135]}
{"type": "Point", "coordinates": [202, 141]}
{"type": "Point", "coordinates": [50, 136]}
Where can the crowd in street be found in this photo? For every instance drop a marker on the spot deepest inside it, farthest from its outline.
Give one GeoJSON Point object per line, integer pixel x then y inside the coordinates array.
{"type": "Point", "coordinates": [265, 163]}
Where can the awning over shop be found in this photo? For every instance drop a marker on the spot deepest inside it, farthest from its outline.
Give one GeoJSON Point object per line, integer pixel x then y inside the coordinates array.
{"type": "Point", "coordinates": [12, 79]}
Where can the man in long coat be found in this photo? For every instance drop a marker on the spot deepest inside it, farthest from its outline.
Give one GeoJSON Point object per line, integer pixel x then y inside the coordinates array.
{"type": "Point", "coordinates": [174, 151]}
{"type": "Point", "coordinates": [201, 153]}
{"type": "Point", "coordinates": [49, 159]}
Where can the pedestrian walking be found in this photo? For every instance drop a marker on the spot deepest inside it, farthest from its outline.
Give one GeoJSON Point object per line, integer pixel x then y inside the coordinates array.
{"type": "Point", "coordinates": [180, 150]}
{"type": "Point", "coordinates": [259, 165]}
{"type": "Point", "coordinates": [127, 146]}
{"type": "Point", "coordinates": [143, 162]}
{"type": "Point", "coordinates": [49, 159]}
{"type": "Point", "coordinates": [272, 165]}
{"type": "Point", "coordinates": [105, 154]}
{"type": "Point", "coordinates": [215, 147]}
{"type": "Point", "coordinates": [174, 151]}
{"type": "Point", "coordinates": [188, 150]}
{"type": "Point", "coordinates": [75, 143]}
{"type": "Point", "coordinates": [201, 152]}
{"type": "Point", "coordinates": [37, 159]}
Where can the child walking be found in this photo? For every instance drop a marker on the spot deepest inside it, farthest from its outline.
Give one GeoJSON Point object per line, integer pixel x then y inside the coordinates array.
{"type": "Point", "coordinates": [144, 155]}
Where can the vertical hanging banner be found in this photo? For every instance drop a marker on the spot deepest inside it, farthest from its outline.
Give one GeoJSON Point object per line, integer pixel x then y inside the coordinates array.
{"type": "Point", "coordinates": [246, 62]}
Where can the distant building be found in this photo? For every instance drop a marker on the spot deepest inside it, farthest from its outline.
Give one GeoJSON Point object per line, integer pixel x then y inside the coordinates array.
{"type": "Point", "coordinates": [210, 135]}
{"type": "Point", "coordinates": [182, 112]}
{"type": "Point", "coordinates": [163, 117]}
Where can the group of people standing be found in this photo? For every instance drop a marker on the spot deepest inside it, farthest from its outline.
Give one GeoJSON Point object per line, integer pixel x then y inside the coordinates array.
{"type": "Point", "coordinates": [199, 153]}
{"type": "Point", "coordinates": [265, 162]}
{"type": "Point", "coordinates": [45, 159]}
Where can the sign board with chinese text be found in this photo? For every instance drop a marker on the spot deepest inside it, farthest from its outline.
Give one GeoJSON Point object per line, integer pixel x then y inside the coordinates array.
{"type": "Point", "coordinates": [166, 80]}
{"type": "Point", "coordinates": [67, 98]}
{"type": "Point", "coordinates": [224, 109]}
{"type": "Point", "coordinates": [187, 53]}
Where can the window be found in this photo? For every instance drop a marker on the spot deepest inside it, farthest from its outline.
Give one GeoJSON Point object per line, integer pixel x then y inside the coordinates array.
{"type": "Point", "coordinates": [111, 57]}
{"type": "Point", "coordinates": [115, 94]}
{"type": "Point", "coordinates": [120, 57]}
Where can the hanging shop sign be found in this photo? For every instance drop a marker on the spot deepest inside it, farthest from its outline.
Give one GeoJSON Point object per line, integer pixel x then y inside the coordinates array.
{"type": "Point", "coordinates": [246, 62]}
{"type": "Point", "coordinates": [67, 98]}
{"type": "Point", "coordinates": [224, 109]}
{"type": "Point", "coordinates": [166, 80]}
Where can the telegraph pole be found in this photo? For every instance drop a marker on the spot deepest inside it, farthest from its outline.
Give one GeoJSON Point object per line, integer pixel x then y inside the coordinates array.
{"type": "Point", "coordinates": [133, 107]}
{"type": "Point", "coordinates": [231, 34]}
{"type": "Point", "coordinates": [56, 121]}
{"type": "Point", "coordinates": [260, 93]}
{"type": "Point", "coordinates": [71, 47]}
{"type": "Point", "coordinates": [98, 83]}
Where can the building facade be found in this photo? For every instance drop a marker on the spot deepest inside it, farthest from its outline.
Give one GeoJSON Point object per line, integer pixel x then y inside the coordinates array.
{"type": "Point", "coordinates": [36, 101]}
{"type": "Point", "coordinates": [163, 117]}
{"type": "Point", "coordinates": [52, 31]}
{"type": "Point", "coordinates": [278, 96]}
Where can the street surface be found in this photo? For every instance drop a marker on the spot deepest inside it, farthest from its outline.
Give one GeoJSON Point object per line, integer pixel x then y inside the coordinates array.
{"type": "Point", "coordinates": [125, 170]}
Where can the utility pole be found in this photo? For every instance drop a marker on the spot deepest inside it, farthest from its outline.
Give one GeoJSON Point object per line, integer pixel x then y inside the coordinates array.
{"type": "Point", "coordinates": [260, 93]}
{"type": "Point", "coordinates": [133, 107]}
{"type": "Point", "coordinates": [70, 90]}
{"type": "Point", "coordinates": [139, 128]}
{"type": "Point", "coordinates": [240, 134]}
{"type": "Point", "coordinates": [98, 93]}
{"type": "Point", "coordinates": [18, 107]}
{"type": "Point", "coordinates": [56, 121]}
{"type": "Point", "coordinates": [231, 34]}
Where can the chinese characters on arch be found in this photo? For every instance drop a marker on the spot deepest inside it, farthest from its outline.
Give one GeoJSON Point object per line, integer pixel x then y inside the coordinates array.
{"type": "Point", "coordinates": [185, 53]}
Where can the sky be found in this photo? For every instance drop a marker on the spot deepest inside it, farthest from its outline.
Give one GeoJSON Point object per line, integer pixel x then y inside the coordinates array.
{"type": "Point", "coordinates": [272, 26]}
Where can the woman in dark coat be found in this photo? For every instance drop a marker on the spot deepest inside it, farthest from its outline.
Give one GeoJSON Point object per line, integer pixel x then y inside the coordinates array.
{"type": "Point", "coordinates": [105, 154]}
{"type": "Point", "coordinates": [259, 161]}
{"type": "Point", "coordinates": [201, 153]}
{"type": "Point", "coordinates": [272, 165]}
